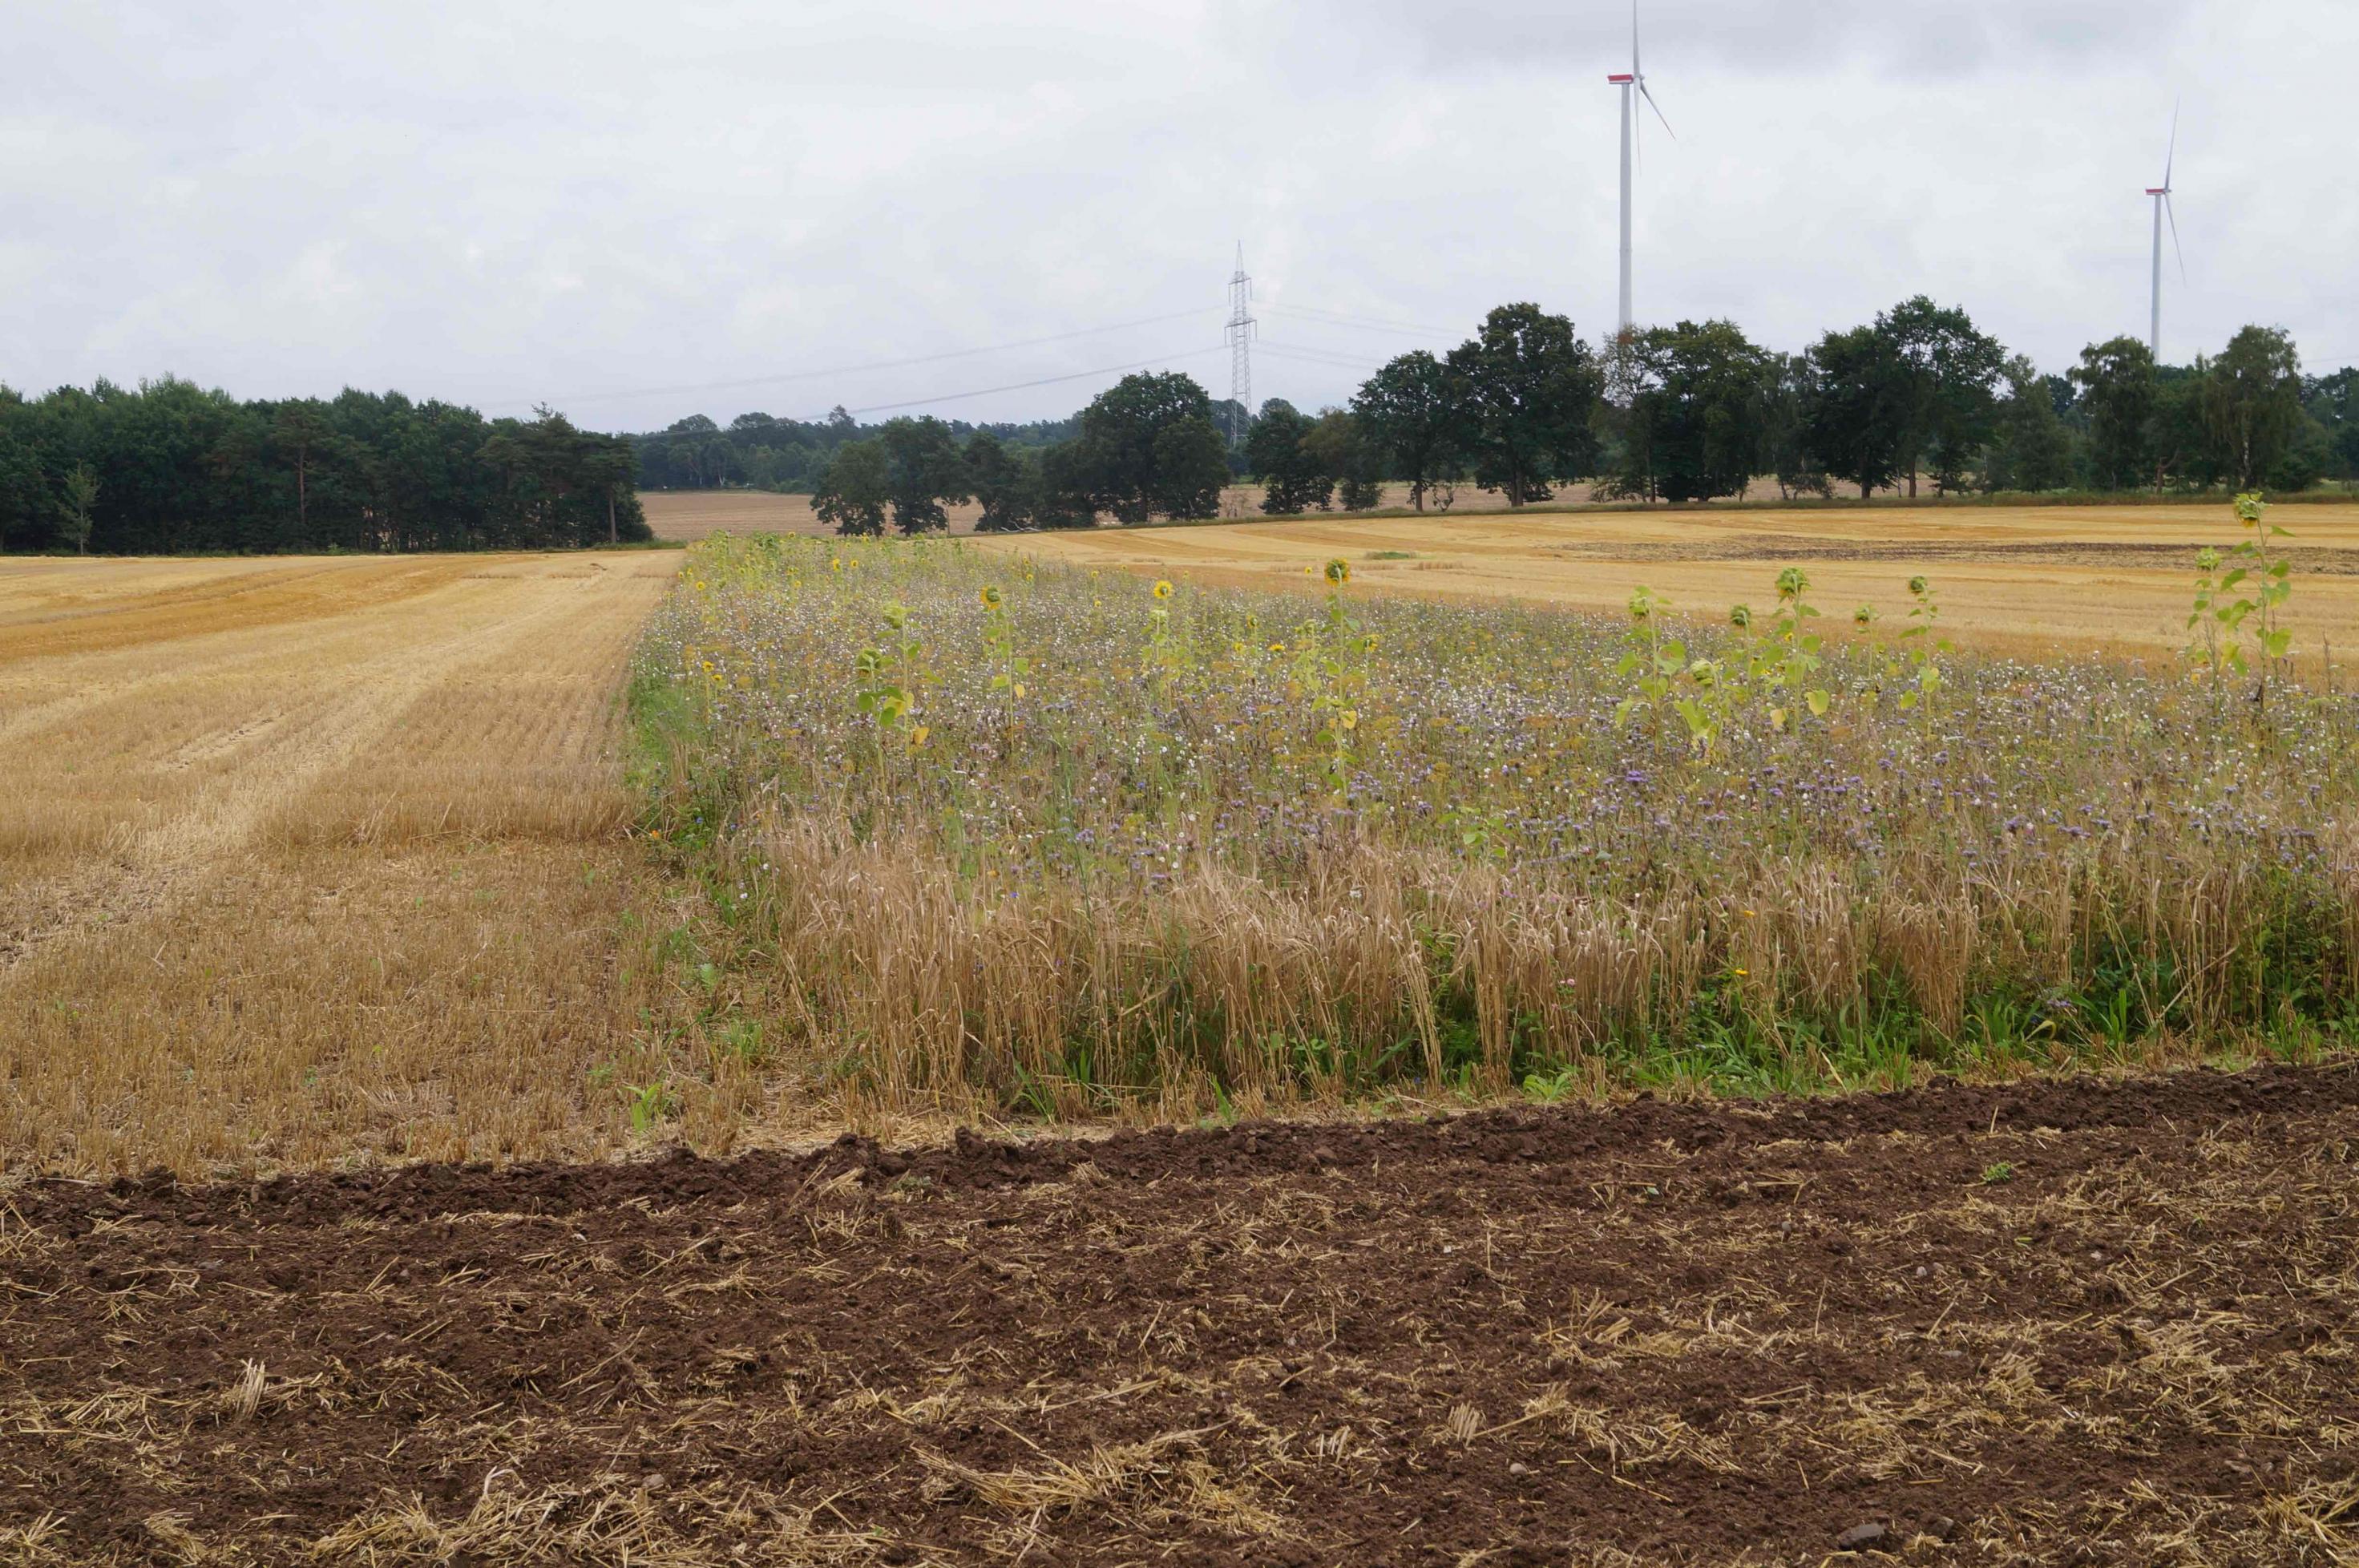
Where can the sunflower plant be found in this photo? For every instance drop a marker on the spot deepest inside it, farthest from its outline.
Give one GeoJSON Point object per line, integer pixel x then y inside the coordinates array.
{"type": "Point", "coordinates": [1792, 655]}
{"type": "Point", "coordinates": [2219, 649]}
{"type": "Point", "coordinates": [1009, 668]}
{"type": "Point", "coordinates": [885, 685]}
{"type": "Point", "coordinates": [1166, 653]}
{"type": "Point", "coordinates": [1653, 660]}
{"type": "Point", "coordinates": [1926, 646]}
{"type": "Point", "coordinates": [1331, 673]}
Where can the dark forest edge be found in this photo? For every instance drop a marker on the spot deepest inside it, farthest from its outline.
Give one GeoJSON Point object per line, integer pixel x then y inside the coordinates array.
{"type": "Point", "coordinates": [1919, 401]}
{"type": "Point", "coordinates": [169, 468]}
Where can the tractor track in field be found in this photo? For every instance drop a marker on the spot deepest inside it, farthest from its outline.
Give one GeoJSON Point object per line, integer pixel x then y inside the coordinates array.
{"type": "Point", "coordinates": [2080, 1320]}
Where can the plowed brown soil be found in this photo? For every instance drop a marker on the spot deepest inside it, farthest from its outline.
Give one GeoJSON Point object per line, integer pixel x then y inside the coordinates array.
{"type": "Point", "coordinates": [2071, 1322]}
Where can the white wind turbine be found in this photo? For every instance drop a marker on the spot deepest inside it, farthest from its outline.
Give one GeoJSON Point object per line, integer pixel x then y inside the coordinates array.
{"type": "Point", "coordinates": [1634, 86]}
{"type": "Point", "coordinates": [2162, 208]}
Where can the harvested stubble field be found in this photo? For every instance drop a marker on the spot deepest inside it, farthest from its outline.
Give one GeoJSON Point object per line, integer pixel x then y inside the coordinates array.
{"type": "Point", "coordinates": [2062, 1323]}
{"type": "Point", "coordinates": [310, 859]}
{"type": "Point", "coordinates": [2028, 580]}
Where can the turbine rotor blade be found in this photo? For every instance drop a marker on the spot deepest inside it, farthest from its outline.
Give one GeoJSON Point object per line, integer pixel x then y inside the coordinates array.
{"type": "Point", "coordinates": [1657, 108]}
{"type": "Point", "coordinates": [1635, 71]}
{"type": "Point", "coordinates": [2172, 214]}
{"type": "Point", "coordinates": [2170, 159]}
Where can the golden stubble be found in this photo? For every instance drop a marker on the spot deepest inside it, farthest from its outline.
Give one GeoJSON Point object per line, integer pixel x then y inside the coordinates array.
{"type": "Point", "coordinates": [2029, 581]}
{"type": "Point", "coordinates": [313, 860]}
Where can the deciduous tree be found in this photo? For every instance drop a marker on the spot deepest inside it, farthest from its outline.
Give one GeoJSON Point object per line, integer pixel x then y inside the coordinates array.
{"type": "Point", "coordinates": [857, 487]}
{"type": "Point", "coordinates": [1007, 483]}
{"type": "Point", "coordinates": [1338, 445]}
{"type": "Point", "coordinates": [2333, 401]}
{"type": "Point", "coordinates": [1947, 376]}
{"type": "Point", "coordinates": [2116, 380]}
{"type": "Point", "coordinates": [1124, 452]}
{"type": "Point", "coordinates": [1531, 384]}
{"type": "Point", "coordinates": [2252, 404]}
{"type": "Point", "coordinates": [2031, 450]}
{"type": "Point", "coordinates": [1853, 414]}
{"type": "Point", "coordinates": [1696, 423]}
{"type": "Point", "coordinates": [1414, 410]}
{"type": "Point", "coordinates": [1277, 453]}
{"type": "Point", "coordinates": [1191, 464]}
{"type": "Point", "coordinates": [923, 469]}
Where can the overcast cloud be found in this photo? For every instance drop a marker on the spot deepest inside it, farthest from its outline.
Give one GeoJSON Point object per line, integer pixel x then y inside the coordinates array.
{"type": "Point", "coordinates": [637, 213]}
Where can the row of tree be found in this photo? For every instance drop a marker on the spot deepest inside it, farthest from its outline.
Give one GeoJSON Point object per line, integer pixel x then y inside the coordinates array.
{"type": "Point", "coordinates": [1516, 406]}
{"type": "Point", "coordinates": [168, 467]}
{"type": "Point", "coordinates": [1696, 411]}
{"type": "Point", "coordinates": [1918, 396]}
{"type": "Point", "coordinates": [762, 452]}
{"type": "Point", "coordinates": [1150, 446]}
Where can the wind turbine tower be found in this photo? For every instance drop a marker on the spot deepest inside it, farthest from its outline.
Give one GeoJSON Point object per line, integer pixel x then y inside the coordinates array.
{"type": "Point", "coordinates": [1240, 335]}
{"type": "Point", "coordinates": [2160, 195]}
{"type": "Point", "coordinates": [1634, 87]}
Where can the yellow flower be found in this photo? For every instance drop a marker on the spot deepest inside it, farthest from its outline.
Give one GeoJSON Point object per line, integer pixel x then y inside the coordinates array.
{"type": "Point", "coordinates": [918, 737]}
{"type": "Point", "coordinates": [1742, 974]}
{"type": "Point", "coordinates": [1338, 571]}
{"type": "Point", "coordinates": [990, 598]}
{"type": "Point", "coordinates": [1162, 589]}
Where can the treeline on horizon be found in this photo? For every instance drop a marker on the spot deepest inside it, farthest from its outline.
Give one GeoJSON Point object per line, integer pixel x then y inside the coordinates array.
{"type": "Point", "coordinates": [1917, 399]}
{"type": "Point", "coordinates": [172, 468]}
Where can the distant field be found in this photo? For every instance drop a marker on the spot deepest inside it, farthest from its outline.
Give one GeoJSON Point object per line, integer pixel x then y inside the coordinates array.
{"type": "Point", "coordinates": [694, 514]}
{"type": "Point", "coordinates": [2022, 579]}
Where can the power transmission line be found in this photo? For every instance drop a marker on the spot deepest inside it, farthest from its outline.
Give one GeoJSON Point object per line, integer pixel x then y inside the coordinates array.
{"type": "Point", "coordinates": [1239, 333]}
{"type": "Point", "coordinates": [1042, 381]}
{"type": "Point", "coordinates": [1321, 356]}
{"type": "Point", "coordinates": [1365, 323]}
{"type": "Point", "coordinates": [785, 377]}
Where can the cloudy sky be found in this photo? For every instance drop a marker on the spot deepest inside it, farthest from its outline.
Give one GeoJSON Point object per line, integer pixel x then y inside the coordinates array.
{"type": "Point", "coordinates": [640, 212]}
